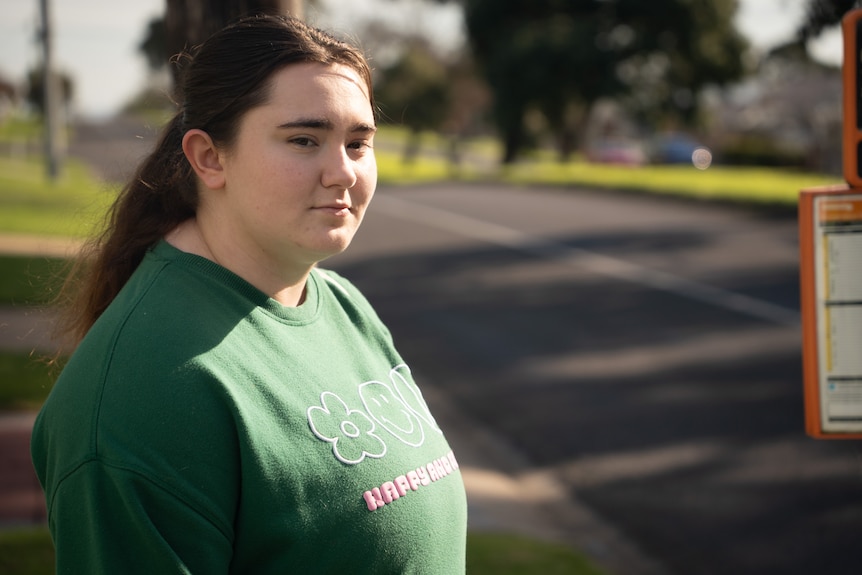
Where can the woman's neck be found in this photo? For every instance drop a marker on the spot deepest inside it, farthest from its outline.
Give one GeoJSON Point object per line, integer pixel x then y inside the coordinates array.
{"type": "Point", "coordinates": [286, 288]}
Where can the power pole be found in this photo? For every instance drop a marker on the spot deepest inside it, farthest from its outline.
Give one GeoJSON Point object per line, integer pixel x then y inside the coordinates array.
{"type": "Point", "coordinates": [51, 95]}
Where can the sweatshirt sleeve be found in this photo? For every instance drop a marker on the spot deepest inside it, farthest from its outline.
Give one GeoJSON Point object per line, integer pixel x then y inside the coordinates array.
{"type": "Point", "coordinates": [105, 519]}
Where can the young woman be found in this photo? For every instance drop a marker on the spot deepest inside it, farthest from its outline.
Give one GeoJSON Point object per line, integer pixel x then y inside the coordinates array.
{"type": "Point", "coordinates": [231, 408]}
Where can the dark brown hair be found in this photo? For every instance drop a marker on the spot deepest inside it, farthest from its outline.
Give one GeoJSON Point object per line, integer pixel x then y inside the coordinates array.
{"type": "Point", "coordinates": [222, 80]}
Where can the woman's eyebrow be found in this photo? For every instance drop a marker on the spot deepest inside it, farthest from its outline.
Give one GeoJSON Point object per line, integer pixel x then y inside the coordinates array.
{"type": "Point", "coordinates": [363, 128]}
{"type": "Point", "coordinates": [324, 124]}
{"type": "Point", "coordinates": [311, 123]}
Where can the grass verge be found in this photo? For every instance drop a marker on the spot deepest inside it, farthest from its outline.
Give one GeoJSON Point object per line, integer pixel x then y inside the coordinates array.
{"type": "Point", "coordinates": [506, 554]}
{"type": "Point", "coordinates": [737, 184]}
{"type": "Point", "coordinates": [27, 380]}
{"type": "Point", "coordinates": [29, 281]}
{"type": "Point", "coordinates": [32, 204]}
{"type": "Point", "coordinates": [17, 129]}
{"type": "Point", "coordinates": [26, 552]}
{"type": "Point", "coordinates": [30, 552]}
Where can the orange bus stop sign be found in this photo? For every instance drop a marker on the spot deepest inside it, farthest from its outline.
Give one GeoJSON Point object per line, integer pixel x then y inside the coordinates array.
{"type": "Point", "coordinates": [830, 239]}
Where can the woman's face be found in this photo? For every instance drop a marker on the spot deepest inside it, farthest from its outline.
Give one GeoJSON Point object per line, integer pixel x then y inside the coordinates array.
{"type": "Point", "coordinates": [301, 172]}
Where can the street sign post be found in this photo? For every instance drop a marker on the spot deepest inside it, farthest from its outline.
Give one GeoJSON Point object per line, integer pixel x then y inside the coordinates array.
{"type": "Point", "coordinates": [851, 71]}
{"type": "Point", "coordinates": [830, 240]}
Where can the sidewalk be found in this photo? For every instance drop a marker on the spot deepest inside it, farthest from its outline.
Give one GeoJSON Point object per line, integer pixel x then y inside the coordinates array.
{"type": "Point", "coordinates": [504, 492]}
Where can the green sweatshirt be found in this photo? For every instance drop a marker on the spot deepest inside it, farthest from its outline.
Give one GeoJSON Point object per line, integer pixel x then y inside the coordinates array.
{"type": "Point", "coordinates": [202, 427]}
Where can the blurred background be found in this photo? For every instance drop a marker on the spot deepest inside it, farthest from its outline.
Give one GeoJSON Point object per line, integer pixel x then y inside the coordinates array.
{"type": "Point", "coordinates": [754, 81]}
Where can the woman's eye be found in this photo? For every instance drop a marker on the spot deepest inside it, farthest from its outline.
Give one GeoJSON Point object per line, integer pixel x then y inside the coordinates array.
{"type": "Point", "coordinates": [359, 145]}
{"type": "Point", "coordinates": [302, 142]}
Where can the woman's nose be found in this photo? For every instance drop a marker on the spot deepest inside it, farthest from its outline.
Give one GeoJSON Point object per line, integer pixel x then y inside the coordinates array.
{"type": "Point", "coordinates": [338, 169]}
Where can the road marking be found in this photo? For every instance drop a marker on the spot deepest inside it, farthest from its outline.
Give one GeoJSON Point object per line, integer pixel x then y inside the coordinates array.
{"type": "Point", "coordinates": [585, 259]}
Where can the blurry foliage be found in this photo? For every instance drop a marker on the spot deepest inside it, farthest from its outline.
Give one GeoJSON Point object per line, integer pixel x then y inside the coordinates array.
{"type": "Point", "coordinates": [823, 14]}
{"type": "Point", "coordinates": [188, 23]}
{"type": "Point", "coordinates": [154, 45]}
{"type": "Point", "coordinates": [559, 57]}
{"type": "Point", "coordinates": [36, 88]}
{"type": "Point", "coordinates": [151, 101]}
{"type": "Point", "coordinates": [418, 79]}
{"type": "Point", "coordinates": [535, 68]}
{"type": "Point", "coordinates": [414, 92]}
{"type": "Point", "coordinates": [761, 150]}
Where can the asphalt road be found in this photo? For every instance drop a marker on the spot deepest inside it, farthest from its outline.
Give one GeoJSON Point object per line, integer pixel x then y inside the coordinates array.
{"type": "Point", "coordinates": [644, 351]}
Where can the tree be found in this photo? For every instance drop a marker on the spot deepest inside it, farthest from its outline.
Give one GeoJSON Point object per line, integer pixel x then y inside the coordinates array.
{"type": "Point", "coordinates": [822, 14]}
{"type": "Point", "coordinates": [414, 92]}
{"type": "Point", "coordinates": [35, 95]}
{"type": "Point", "coordinates": [420, 82]}
{"type": "Point", "coordinates": [188, 23]}
{"type": "Point", "coordinates": [559, 57]}
{"type": "Point", "coordinates": [154, 46]}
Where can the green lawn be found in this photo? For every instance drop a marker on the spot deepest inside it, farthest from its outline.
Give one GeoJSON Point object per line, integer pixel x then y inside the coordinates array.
{"type": "Point", "coordinates": [17, 129]}
{"type": "Point", "coordinates": [504, 554]}
{"type": "Point", "coordinates": [27, 379]}
{"type": "Point", "coordinates": [27, 281]}
{"type": "Point", "coordinates": [32, 204]}
{"type": "Point", "coordinates": [26, 552]}
{"type": "Point", "coordinates": [739, 184]}
{"type": "Point", "coordinates": [29, 552]}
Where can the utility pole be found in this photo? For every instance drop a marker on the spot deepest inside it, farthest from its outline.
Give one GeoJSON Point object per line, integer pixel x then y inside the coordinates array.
{"type": "Point", "coordinates": [51, 96]}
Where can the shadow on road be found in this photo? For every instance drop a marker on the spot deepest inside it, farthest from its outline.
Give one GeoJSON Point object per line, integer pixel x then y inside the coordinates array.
{"type": "Point", "coordinates": [679, 421]}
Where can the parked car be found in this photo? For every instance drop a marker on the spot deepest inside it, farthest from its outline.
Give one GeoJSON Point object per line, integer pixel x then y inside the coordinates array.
{"type": "Point", "coordinates": [680, 149]}
{"type": "Point", "coordinates": [620, 152]}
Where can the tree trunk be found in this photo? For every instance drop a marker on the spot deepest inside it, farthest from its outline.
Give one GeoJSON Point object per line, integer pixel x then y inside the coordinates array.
{"type": "Point", "coordinates": [190, 22]}
{"type": "Point", "coordinates": [511, 147]}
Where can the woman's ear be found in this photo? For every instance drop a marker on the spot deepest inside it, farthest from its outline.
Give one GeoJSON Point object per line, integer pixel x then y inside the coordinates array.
{"type": "Point", "coordinates": [204, 158]}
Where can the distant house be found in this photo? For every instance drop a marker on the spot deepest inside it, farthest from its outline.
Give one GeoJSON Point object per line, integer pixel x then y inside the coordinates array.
{"type": "Point", "coordinates": [792, 102]}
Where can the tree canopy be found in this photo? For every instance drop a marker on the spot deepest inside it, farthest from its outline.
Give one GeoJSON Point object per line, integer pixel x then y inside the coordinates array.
{"type": "Point", "coordinates": [187, 23]}
{"type": "Point", "coordinates": [414, 92]}
{"type": "Point", "coordinates": [823, 14]}
{"type": "Point", "coordinates": [555, 56]}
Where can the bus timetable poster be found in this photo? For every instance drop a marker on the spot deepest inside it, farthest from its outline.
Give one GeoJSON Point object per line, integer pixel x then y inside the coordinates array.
{"type": "Point", "coordinates": [831, 281]}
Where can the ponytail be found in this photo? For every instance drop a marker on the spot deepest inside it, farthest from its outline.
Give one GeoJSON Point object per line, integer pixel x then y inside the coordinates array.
{"type": "Point", "coordinates": [161, 195]}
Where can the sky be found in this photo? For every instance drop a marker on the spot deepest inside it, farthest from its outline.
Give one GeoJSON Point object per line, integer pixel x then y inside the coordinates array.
{"type": "Point", "coordinates": [96, 41]}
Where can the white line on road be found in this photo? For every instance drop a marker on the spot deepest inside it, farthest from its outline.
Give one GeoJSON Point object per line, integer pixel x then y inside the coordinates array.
{"type": "Point", "coordinates": [584, 259]}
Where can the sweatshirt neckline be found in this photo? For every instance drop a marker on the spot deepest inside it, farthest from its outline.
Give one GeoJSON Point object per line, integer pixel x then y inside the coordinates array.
{"type": "Point", "coordinates": [305, 312]}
